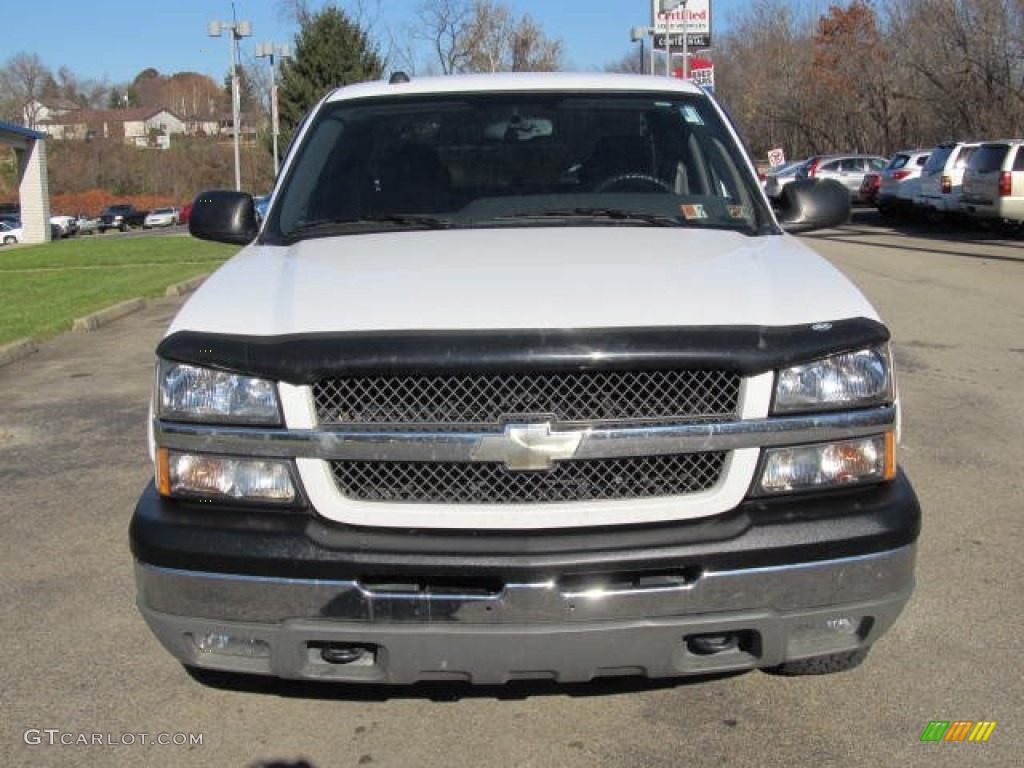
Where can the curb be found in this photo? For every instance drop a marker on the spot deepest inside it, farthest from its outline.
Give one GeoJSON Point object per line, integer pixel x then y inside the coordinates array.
{"type": "Point", "coordinates": [116, 312]}
{"type": "Point", "coordinates": [16, 350]}
{"type": "Point", "coordinates": [108, 315]}
{"type": "Point", "coordinates": [188, 286]}
{"type": "Point", "coordinates": [22, 348]}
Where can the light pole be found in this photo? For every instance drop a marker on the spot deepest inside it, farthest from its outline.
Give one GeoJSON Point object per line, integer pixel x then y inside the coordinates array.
{"type": "Point", "coordinates": [667, 6]}
{"type": "Point", "coordinates": [637, 34]}
{"type": "Point", "coordinates": [238, 30]}
{"type": "Point", "coordinates": [268, 50]}
{"type": "Point", "coordinates": [686, 42]}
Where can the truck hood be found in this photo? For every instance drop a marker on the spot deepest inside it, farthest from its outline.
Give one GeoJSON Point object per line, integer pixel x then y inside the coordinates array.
{"type": "Point", "coordinates": [566, 277]}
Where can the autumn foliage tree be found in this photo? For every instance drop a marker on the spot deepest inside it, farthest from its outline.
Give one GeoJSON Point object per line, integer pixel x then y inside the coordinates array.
{"type": "Point", "coordinates": [872, 76]}
{"type": "Point", "coordinates": [849, 77]}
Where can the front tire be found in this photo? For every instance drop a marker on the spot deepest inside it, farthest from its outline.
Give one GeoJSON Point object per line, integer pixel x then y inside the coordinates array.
{"type": "Point", "coordinates": [821, 665]}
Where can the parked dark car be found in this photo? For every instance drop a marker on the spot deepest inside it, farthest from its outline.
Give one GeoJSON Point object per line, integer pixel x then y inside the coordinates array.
{"type": "Point", "coordinates": [122, 216]}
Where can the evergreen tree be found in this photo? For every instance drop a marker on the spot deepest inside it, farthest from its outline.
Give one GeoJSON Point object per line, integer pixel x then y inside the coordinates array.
{"type": "Point", "coordinates": [330, 50]}
{"type": "Point", "coordinates": [248, 100]}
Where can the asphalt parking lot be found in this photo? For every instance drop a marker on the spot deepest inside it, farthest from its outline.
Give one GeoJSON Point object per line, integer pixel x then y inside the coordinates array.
{"type": "Point", "coordinates": [81, 667]}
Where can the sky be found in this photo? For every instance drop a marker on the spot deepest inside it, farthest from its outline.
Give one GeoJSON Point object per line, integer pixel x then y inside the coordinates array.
{"type": "Point", "coordinates": [114, 40]}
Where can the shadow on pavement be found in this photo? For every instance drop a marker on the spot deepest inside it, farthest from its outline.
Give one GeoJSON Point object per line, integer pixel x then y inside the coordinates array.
{"type": "Point", "coordinates": [867, 223]}
{"type": "Point", "coordinates": [442, 691]}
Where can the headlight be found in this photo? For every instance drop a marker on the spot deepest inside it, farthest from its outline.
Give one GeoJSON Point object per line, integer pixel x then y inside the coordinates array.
{"type": "Point", "coordinates": [192, 393]}
{"type": "Point", "coordinates": [828, 465]}
{"type": "Point", "coordinates": [849, 380]}
{"type": "Point", "coordinates": [198, 475]}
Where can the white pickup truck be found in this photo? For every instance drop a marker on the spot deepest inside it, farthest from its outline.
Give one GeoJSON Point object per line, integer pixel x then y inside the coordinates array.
{"type": "Point", "coordinates": [520, 376]}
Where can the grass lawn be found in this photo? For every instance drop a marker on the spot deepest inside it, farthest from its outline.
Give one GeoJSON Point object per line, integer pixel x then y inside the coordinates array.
{"type": "Point", "coordinates": [43, 288]}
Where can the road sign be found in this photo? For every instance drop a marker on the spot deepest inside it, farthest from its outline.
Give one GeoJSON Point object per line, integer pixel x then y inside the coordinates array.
{"type": "Point", "coordinates": [776, 157]}
{"type": "Point", "coordinates": [704, 77]}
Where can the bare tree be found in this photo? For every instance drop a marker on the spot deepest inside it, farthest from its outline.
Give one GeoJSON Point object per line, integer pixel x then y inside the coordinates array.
{"type": "Point", "coordinates": [964, 60]}
{"type": "Point", "coordinates": [444, 25]}
{"type": "Point", "coordinates": [484, 36]}
{"type": "Point", "coordinates": [855, 77]}
{"type": "Point", "coordinates": [531, 50]}
{"type": "Point", "coordinates": [632, 63]}
{"type": "Point", "coordinates": [296, 11]}
{"type": "Point", "coordinates": [22, 82]}
{"type": "Point", "coordinates": [761, 73]}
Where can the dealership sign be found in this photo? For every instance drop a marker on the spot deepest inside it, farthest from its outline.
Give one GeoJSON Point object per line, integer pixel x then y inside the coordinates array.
{"type": "Point", "coordinates": [702, 73]}
{"type": "Point", "coordinates": [694, 22]}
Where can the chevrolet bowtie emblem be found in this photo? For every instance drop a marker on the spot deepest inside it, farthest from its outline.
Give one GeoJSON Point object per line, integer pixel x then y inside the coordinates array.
{"type": "Point", "coordinates": [527, 446]}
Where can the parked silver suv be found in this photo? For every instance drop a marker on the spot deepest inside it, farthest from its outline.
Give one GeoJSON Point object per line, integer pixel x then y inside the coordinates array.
{"type": "Point", "coordinates": [994, 182]}
{"type": "Point", "coordinates": [848, 170]}
{"type": "Point", "coordinates": [942, 178]}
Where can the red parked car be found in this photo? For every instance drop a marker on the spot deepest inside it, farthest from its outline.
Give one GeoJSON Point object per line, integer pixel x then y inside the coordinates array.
{"type": "Point", "coordinates": [184, 212]}
{"type": "Point", "coordinates": [869, 188]}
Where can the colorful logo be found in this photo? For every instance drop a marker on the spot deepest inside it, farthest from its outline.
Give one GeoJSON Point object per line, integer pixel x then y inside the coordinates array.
{"type": "Point", "coordinates": [958, 730]}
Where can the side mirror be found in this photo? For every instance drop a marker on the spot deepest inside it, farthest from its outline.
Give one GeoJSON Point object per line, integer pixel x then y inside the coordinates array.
{"type": "Point", "coordinates": [224, 216]}
{"type": "Point", "coordinates": [813, 204]}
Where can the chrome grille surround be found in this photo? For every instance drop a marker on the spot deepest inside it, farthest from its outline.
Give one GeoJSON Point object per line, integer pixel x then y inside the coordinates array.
{"type": "Point", "coordinates": [436, 400]}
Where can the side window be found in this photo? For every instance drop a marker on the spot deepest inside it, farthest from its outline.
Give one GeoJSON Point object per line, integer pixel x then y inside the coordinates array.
{"type": "Point", "coordinates": [832, 167]}
{"type": "Point", "coordinates": [853, 165]}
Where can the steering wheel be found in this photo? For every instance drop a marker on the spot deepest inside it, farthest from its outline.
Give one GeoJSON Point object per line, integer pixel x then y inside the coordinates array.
{"type": "Point", "coordinates": [629, 179]}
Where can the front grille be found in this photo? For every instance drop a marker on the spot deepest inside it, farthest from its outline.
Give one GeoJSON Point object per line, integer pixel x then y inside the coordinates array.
{"type": "Point", "coordinates": [491, 483]}
{"type": "Point", "coordinates": [489, 398]}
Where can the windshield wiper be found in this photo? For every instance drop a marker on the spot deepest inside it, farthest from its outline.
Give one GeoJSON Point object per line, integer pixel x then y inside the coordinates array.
{"type": "Point", "coordinates": [409, 219]}
{"type": "Point", "coordinates": [331, 226]}
{"type": "Point", "coordinates": [616, 214]}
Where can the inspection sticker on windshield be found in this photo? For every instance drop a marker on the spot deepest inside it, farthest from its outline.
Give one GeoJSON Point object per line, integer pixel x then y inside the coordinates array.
{"type": "Point", "coordinates": [693, 211]}
{"type": "Point", "coordinates": [692, 116]}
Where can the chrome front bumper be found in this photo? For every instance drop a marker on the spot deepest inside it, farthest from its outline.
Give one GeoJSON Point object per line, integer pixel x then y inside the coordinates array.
{"type": "Point", "coordinates": [568, 631]}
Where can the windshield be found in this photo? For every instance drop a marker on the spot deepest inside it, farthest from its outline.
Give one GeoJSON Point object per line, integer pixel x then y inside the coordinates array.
{"type": "Point", "coordinates": [519, 159]}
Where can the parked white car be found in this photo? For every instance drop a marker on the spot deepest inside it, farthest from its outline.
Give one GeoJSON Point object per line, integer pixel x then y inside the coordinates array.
{"type": "Point", "coordinates": [901, 181]}
{"type": "Point", "coordinates": [68, 225]}
{"type": "Point", "coordinates": [9, 233]}
{"type": "Point", "coordinates": [87, 225]}
{"type": "Point", "coordinates": [161, 217]}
